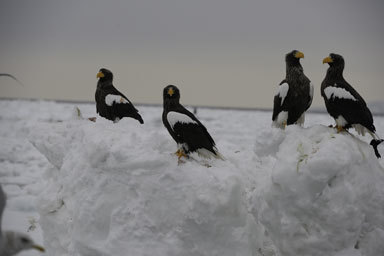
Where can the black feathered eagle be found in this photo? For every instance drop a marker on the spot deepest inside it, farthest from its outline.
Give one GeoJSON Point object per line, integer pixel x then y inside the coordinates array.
{"type": "Point", "coordinates": [294, 95]}
{"type": "Point", "coordinates": [110, 103]}
{"type": "Point", "coordinates": [188, 132]}
{"type": "Point", "coordinates": [344, 103]}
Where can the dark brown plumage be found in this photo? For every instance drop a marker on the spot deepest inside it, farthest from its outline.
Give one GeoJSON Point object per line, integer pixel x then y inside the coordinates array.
{"type": "Point", "coordinates": [188, 132]}
{"type": "Point", "coordinates": [110, 103]}
{"type": "Point", "coordinates": [294, 95]}
{"type": "Point", "coordinates": [344, 103]}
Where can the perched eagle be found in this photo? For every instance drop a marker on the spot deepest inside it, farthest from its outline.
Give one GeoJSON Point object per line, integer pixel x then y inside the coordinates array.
{"type": "Point", "coordinates": [188, 132]}
{"type": "Point", "coordinates": [110, 103]}
{"type": "Point", "coordinates": [343, 102]}
{"type": "Point", "coordinates": [294, 95]}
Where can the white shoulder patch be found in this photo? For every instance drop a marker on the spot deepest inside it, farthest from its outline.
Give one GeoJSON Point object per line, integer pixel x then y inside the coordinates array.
{"type": "Point", "coordinates": [111, 98]}
{"type": "Point", "coordinates": [337, 92]}
{"type": "Point", "coordinates": [282, 92]}
{"type": "Point", "coordinates": [175, 117]}
{"type": "Point", "coordinates": [311, 90]}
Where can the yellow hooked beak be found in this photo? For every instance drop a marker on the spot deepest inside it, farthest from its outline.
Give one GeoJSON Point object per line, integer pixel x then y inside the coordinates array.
{"type": "Point", "coordinates": [299, 55]}
{"type": "Point", "coordinates": [170, 92]}
{"type": "Point", "coordinates": [327, 60]}
{"type": "Point", "coordinates": [38, 247]}
{"type": "Point", "coordinates": [100, 74]}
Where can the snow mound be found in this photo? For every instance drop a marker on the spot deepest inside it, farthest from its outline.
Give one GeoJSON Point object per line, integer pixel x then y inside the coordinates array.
{"type": "Point", "coordinates": [326, 195]}
{"type": "Point", "coordinates": [118, 190]}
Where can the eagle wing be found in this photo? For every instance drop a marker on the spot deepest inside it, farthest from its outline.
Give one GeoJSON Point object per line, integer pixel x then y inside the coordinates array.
{"type": "Point", "coordinates": [279, 99]}
{"type": "Point", "coordinates": [2, 204]}
{"type": "Point", "coordinates": [112, 104]}
{"type": "Point", "coordinates": [310, 98]}
{"type": "Point", "coordinates": [342, 99]}
{"type": "Point", "coordinates": [187, 129]}
{"type": "Point", "coordinates": [11, 76]}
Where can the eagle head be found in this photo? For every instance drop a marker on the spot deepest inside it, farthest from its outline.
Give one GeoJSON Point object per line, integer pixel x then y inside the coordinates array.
{"type": "Point", "coordinates": [171, 92]}
{"type": "Point", "coordinates": [104, 74]}
{"type": "Point", "coordinates": [334, 60]}
{"type": "Point", "coordinates": [293, 57]}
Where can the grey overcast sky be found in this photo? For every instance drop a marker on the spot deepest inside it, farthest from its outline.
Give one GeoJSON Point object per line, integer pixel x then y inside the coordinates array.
{"type": "Point", "coordinates": [218, 52]}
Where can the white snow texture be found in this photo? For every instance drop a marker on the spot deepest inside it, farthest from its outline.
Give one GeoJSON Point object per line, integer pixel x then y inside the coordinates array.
{"type": "Point", "coordinates": [117, 189]}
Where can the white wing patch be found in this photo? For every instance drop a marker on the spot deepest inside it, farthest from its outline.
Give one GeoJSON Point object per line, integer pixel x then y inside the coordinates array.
{"type": "Point", "coordinates": [311, 90]}
{"type": "Point", "coordinates": [340, 121]}
{"type": "Point", "coordinates": [175, 117]}
{"type": "Point", "coordinates": [282, 92]}
{"type": "Point", "coordinates": [111, 98]}
{"type": "Point", "coordinates": [281, 118]}
{"type": "Point", "coordinates": [337, 92]}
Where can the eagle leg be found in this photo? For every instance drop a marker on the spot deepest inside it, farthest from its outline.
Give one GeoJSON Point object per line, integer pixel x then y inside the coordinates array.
{"type": "Point", "coordinates": [284, 125]}
{"type": "Point", "coordinates": [180, 153]}
{"type": "Point", "coordinates": [340, 128]}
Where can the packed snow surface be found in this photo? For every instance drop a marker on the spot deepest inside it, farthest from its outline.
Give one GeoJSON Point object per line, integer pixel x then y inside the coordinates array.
{"type": "Point", "coordinates": [117, 189]}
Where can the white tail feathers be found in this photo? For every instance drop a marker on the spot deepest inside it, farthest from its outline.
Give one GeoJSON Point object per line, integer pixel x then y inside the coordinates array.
{"type": "Point", "coordinates": [204, 153]}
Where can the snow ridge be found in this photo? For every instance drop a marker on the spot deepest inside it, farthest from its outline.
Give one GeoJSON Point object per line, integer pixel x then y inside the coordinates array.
{"type": "Point", "coordinates": [108, 194]}
{"type": "Point", "coordinates": [108, 197]}
{"type": "Point", "coordinates": [315, 184]}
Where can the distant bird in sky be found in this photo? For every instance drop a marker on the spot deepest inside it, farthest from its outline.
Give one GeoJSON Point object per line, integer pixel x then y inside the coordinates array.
{"type": "Point", "coordinates": [110, 103]}
{"type": "Point", "coordinates": [188, 132]}
{"type": "Point", "coordinates": [294, 95]}
{"type": "Point", "coordinates": [344, 103]}
{"type": "Point", "coordinates": [12, 242]}
{"type": "Point", "coordinates": [11, 76]}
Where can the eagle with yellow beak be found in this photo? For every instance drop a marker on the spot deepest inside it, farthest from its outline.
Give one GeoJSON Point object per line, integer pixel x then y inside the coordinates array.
{"type": "Point", "coordinates": [188, 132]}
{"type": "Point", "coordinates": [344, 103]}
{"type": "Point", "coordinates": [110, 103]}
{"type": "Point", "coordinates": [294, 95]}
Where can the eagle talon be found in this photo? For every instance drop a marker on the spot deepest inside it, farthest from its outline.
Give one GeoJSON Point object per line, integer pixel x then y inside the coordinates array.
{"type": "Point", "coordinates": [339, 129]}
{"type": "Point", "coordinates": [180, 153]}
